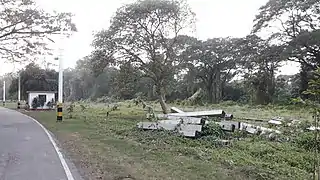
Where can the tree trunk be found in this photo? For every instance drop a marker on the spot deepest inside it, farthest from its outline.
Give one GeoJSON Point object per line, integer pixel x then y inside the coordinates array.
{"type": "Point", "coordinates": [196, 95]}
{"type": "Point", "coordinates": [210, 93]}
{"type": "Point", "coordinates": [161, 97]}
{"type": "Point", "coordinates": [304, 79]}
{"type": "Point", "coordinates": [163, 104]}
{"type": "Point", "coordinates": [218, 87]}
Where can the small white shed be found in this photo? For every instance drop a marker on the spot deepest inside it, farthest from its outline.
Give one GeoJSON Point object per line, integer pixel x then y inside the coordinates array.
{"type": "Point", "coordinates": [43, 99]}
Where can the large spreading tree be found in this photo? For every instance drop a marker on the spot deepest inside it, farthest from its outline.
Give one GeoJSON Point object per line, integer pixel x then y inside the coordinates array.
{"type": "Point", "coordinates": [25, 29]}
{"type": "Point", "coordinates": [294, 24]}
{"type": "Point", "coordinates": [145, 34]}
{"type": "Point", "coordinates": [214, 63]}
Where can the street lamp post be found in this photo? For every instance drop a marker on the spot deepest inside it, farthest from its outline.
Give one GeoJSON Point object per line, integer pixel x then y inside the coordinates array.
{"type": "Point", "coordinates": [60, 86]}
{"type": "Point", "coordinates": [4, 93]}
{"type": "Point", "coordinates": [19, 90]}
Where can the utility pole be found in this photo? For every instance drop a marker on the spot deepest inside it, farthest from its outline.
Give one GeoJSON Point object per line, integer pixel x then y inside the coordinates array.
{"type": "Point", "coordinates": [60, 88]}
{"type": "Point", "coordinates": [4, 93]}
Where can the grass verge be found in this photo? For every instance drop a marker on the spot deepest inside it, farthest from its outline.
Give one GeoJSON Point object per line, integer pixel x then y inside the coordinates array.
{"type": "Point", "coordinates": [112, 148]}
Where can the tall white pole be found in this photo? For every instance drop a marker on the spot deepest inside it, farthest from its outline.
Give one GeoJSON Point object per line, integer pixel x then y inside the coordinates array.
{"type": "Point", "coordinates": [60, 89]}
{"type": "Point", "coordinates": [4, 91]}
{"type": "Point", "coordinates": [19, 88]}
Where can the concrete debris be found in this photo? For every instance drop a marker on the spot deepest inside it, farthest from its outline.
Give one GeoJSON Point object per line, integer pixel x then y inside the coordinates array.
{"type": "Point", "coordinates": [198, 121]}
{"type": "Point", "coordinates": [186, 120]}
{"type": "Point", "coordinates": [176, 110]}
{"type": "Point", "coordinates": [190, 133]}
{"type": "Point", "coordinates": [228, 117]}
{"type": "Point", "coordinates": [294, 122]}
{"type": "Point", "coordinates": [229, 125]}
{"type": "Point", "coordinates": [249, 128]}
{"type": "Point", "coordinates": [190, 124]}
{"type": "Point", "coordinates": [313, 128]}
{"type": "Point", "coordinates": [188, 130]}
{"type": "Point", "coordinates": [277, 118]}
{"type": "Point", "coordinates": [275, 122]}
{"type": "Point", "coordinates": [170, 121]}
{"type": "Point", "coordinates": [156, 126]}
{"type": "Point", "coordinates": [190, 127]}
{"type": "Point", "coordinates": [213, 113]}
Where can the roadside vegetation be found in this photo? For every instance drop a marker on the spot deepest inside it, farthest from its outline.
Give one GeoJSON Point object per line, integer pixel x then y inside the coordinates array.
{"type": "Point", "coordinates": [145, 54]}
{"type": "Point", "coordinates": [112, 147]}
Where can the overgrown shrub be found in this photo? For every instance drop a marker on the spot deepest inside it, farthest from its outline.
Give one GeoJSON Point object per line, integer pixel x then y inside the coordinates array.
{"type": "Point", "coordinates": [70, 110]}
{"type": "Point", "coordinates": [213, 129]}
{"type": "Point", "coordinates": [35, 103]}
{"type": "Point", "coordinates": [307, 141]}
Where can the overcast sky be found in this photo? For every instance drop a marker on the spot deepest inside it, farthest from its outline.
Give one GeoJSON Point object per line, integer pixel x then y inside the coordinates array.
{"type": "Point", "coordinates": [215, 18]}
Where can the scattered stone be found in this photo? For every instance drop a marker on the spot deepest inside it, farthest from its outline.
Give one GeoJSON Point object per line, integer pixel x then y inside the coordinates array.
{"type": "Point", "coordinates": [275, 122]}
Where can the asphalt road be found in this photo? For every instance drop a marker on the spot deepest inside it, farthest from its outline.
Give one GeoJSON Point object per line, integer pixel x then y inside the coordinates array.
{"type": "Point", "coordinates": [26, 151]}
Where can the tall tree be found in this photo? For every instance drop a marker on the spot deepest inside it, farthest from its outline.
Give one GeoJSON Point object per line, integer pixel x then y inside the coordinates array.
{"type": "Point", "coordinates": [25, 29]}
{"type": "Point", "coordinates": [215, 63]}
{"type": "Point", "coordinates": [261, 61]}
{"type": "Point", "coordinates": [144, 33]}
{"type": "Point", "coordinates": [298, 23]}
{"type": "Point", "coordinates": [126, 81]}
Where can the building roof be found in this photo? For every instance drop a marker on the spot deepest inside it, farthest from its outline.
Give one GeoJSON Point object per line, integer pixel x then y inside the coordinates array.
{"type": "Point", "coordinates": [41, 91]}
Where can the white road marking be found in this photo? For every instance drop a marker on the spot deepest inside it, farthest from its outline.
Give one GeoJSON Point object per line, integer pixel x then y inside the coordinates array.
{"type": "Point", "coordinates": [62, 160]}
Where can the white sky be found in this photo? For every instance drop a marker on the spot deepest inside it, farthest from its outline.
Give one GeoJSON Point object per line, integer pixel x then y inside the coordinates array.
{"type": "Point", "coordinates": [215, 18]}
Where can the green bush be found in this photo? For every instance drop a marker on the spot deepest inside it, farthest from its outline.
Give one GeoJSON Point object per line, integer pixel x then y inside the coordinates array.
{"type": "Point", "coordinates": [35, 103]}
{"type": "Point", "coordinates": [213, 129]}
{"type": "Point", "coordinates": [307, 141]}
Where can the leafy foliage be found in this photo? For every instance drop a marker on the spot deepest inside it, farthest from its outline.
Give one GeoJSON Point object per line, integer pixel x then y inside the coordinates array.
{"type": "Point", "coordinates": [34, 78]}
{"type": "Point", "coordinates": [145, 34]}
{"type": "Point", "coordinates": [26, 29]}
{"type": "Point", "coordinates": [299, 32]}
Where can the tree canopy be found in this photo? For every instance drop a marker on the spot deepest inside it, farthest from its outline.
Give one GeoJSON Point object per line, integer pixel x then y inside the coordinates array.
{"type": "Point", "coordinates": [146, 52]}
{"type": "Point", "coordinates": [26, 29]}
{"type": "Point", "coordinates": [145, 34]}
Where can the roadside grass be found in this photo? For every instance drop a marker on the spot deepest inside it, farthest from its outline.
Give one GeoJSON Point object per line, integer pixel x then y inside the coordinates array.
{"type": "Point", "coordinates": [112, 148]}
{"type": "Point", "coordinates": [10, 105]}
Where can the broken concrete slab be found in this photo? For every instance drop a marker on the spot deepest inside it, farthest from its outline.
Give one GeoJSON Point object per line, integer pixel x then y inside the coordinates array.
{"type": "Point", "coordinates": [190, 127]}
{"type": "Point", "coordinates": [170, 121]}
{"type": "Point", "coordinates": [155, 126]}
{"type": "Point", "coordinates": [212, 113]}
{"type": "Point", "coordinates": [258, 128]}
{"type": "Point", "coordinates": [313, 128]}
{"type": "Point", "coordinates": [228, 117]}
{"type": "Point", "coordinates": [185, 120]}
{"type": "Point", "coordinates": [277, 118]}
{"type": "Point", "coordinates": [229, 125]}
{"type": "Point", "coordinates": [190, 133]}
{"type": "Point", "coordinates": [198, 121]}
{"type": "Point", "coordinates": [189, 130]}
{"type": "Point", "coordinates": [275, 122]}
{"type": "Point", "coordinates": [251, 130]}
{"type": "Point", "coordinates": [176, 110]}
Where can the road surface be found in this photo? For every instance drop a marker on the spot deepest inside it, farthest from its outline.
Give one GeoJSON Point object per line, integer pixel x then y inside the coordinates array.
{"type": "Point", "coordinates": [27, 151]}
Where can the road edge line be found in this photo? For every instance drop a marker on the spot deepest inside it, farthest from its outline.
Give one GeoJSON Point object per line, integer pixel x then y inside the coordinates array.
{"type": "Point", "coordinates": [57, 149]}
